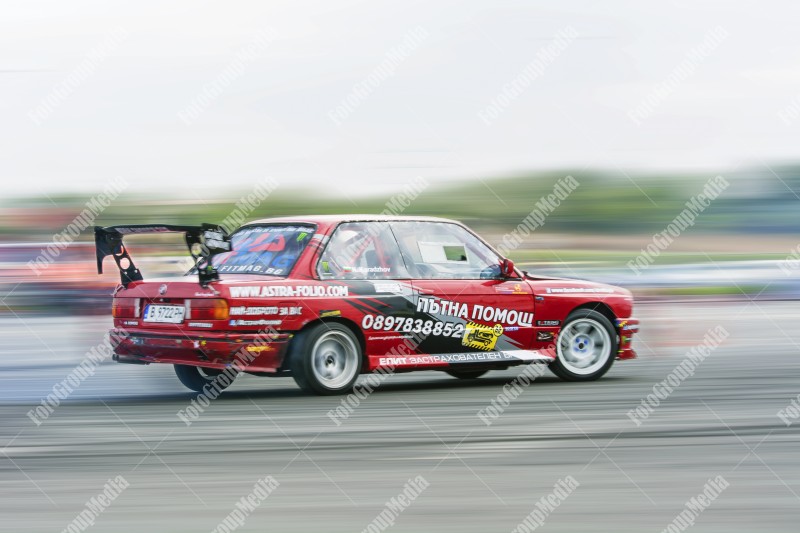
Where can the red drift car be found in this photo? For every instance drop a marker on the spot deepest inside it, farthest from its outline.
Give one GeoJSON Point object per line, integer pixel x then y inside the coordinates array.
{"type": "Point", "coordinates": [326, 298]}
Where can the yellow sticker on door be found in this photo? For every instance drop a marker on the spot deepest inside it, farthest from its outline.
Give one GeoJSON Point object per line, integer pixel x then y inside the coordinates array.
{"type": "Point", "coordinates": [480, 336]}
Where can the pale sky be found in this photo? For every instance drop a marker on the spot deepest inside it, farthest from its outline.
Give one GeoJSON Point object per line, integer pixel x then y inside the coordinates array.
{"type": "Point", "coordinates": [121, 117]}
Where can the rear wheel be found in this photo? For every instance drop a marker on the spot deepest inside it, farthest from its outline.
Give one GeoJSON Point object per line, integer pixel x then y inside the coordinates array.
{"type": "Point", "coordinates": [466, 374]}
{"type": "Point", "coordinates": [196, 378]}
{"type": "Point", "coordinates": [326, 359]}
{"type": "Point", "coordinates": [586, 346]}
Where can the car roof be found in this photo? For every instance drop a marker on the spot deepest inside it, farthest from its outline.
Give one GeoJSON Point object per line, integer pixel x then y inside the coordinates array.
{"type": "Point", "coordinates": [327, 220]}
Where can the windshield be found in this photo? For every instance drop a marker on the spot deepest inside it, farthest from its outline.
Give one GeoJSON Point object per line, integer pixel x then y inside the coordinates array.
{"type": "Point", "coordinates": [267, 250]}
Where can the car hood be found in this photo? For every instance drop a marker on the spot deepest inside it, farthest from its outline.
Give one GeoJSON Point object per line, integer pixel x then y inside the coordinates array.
{"type": "Point", "coordinates": [567, 286]}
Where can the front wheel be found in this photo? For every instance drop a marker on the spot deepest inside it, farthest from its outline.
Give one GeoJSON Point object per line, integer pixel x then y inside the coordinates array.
{"type": "Point", "coordinates": [586, 347]}
{"type": "Point", "coordinates": [202, 379]}
{"type": "Point", "coordinates": [326, 359]}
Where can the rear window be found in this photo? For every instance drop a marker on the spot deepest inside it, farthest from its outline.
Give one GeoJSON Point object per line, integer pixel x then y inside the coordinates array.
{"type": "Point", "coordinates": [267, 250]}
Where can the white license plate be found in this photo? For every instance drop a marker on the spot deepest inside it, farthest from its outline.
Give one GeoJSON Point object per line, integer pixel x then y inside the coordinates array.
{"type": "Point", "coordinates": [171, 314]}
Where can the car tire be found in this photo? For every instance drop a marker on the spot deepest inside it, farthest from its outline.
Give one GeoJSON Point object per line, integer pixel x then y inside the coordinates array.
{"type": "Point", "coordinates": [197, 378]}
{"type": "Point", "coordinates": [466, 374]}
{"type": "Point", "coordinates": [326, 359]}
{"type": "Point", "coordinates": [586, 346]}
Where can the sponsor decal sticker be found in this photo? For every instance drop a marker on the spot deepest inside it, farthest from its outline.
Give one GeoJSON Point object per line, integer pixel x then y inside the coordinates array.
{"type": "Point", "coordinates": [388, 287]}
{"type": "Point", "coordinates": [329, 313]}
{"type": "Point", "coordinates": [391, 337]}
{"type": "Point", "coordinates": [289, 291]}
{"type": "Point", "coordinates": [571, 290]}
{"type": "Point", "coordinates": [528, 355]}
{"type": "Point", "coordinates": [365, 270]}
{"type": "Point", "coordinates": [505, 289]}
{"type": "Point", "coordinates": [148, 229]}
{"type": "Point", "coordinates": [548, 323]}
{"type": "Point", "coordinates": [480, 336]}
{"type": "Point", "coordinates": [273, 310]}
{"type": "Point", "coordinates": [200, 325]}
{"type": "Point", "coordinates": [255, 322]}
{"type": "Point", "coordinates": [243, 269]}
{"type": "Point", "coordinates": [412, 325]}
{"type": "Point", "coordinates": [465, 357]}
{"type": "Point", "coordinates": [544, 336]}
{"type": "Point", "coordinates": [208, 294]}
{"type": "Point", "coordinates": [484, 313]}
{"type": "Point", "coordinates": [242, 310]}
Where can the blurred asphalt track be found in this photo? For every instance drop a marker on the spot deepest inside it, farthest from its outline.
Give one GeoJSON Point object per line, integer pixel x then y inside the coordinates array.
{"type": "Point", "coordinates": [122, 421]}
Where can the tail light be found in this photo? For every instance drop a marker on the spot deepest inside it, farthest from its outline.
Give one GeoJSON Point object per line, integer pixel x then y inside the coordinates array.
{"type": "Point", "coordinates": [207, 309]}
{"type": "Point", "coordinates": [125, 307]}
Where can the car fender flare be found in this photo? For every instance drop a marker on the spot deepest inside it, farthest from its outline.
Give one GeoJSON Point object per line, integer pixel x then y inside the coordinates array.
{"type": "Point", "coordinates": [601, 307]}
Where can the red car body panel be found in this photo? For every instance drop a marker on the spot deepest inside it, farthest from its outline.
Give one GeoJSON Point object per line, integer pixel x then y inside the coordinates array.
{"type": "Point", "coordinates": [492, 322]}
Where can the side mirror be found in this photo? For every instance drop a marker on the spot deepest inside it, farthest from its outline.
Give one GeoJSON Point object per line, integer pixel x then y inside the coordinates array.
{"type": "Point", "coordinates": [507, 268]}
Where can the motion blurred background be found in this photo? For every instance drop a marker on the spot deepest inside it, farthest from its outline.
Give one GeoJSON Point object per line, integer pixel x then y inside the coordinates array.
{"type": "Point", "coordinates": [469, 110]}
{"type": "Point", "coordinates": [613, 228]}
{"type": "Point", "coordinates": [342, 105]}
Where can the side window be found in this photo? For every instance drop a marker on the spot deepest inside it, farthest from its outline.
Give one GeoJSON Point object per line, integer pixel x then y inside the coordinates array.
{"type": "Point", "coordinates": [440, 250]}
{"type": "Point", "coordinates": [362, 250]}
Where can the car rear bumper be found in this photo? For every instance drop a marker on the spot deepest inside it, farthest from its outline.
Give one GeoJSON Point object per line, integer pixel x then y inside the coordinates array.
{"type": "Point", "coordinates": [256, 352]}
{"type": "Point", "coordinates": [626, 327]}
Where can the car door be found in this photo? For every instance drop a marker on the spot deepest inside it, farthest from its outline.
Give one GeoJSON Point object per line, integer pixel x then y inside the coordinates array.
{"type": "Point", "coordinates": [460, 300]}
{"type": "Point", "coordinates": [364, 256]}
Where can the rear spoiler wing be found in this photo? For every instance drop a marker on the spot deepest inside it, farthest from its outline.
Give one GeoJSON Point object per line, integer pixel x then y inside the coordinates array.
{"type": "Point", "coordinates": [204, 242]}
